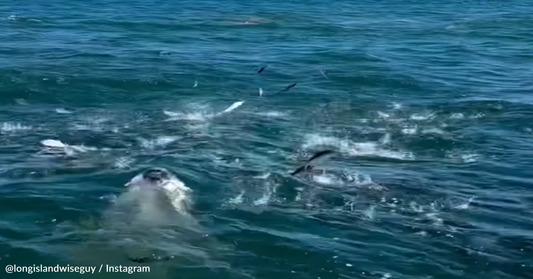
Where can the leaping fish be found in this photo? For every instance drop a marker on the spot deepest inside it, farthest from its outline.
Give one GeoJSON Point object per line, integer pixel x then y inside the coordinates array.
{"type": "Point", "coordinates": [231, 108]}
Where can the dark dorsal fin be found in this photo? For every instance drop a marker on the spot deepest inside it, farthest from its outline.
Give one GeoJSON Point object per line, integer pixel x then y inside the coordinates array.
{"type": "Point", "coordinates": [308, 165]}
{"type": "Point", "coordinates": [302, 168]}
{"type": "Point", "coordinates": [320, 154]}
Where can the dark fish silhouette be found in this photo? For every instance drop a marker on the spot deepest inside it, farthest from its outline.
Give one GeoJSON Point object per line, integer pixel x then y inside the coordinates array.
{"type": "Point", "coordinates": [148, 259]}
{"type": "Point", "coordinates": [262, 69]}
{"type": "Point", "coordinates": [288, 87]}
{"type": "Point", "coordinates": [320, 154]}
{"type": "Point", "coordinates": [311, 160]}
{"type": "Point", "coordinates": [140, 260]}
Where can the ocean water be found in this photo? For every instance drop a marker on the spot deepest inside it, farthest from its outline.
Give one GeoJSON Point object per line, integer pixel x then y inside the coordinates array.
{"type": "Point", "coordinates": [428, 105]}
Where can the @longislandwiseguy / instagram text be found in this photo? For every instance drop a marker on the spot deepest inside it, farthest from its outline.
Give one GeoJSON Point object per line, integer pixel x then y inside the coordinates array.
{"type": "Point", "coordinates": [29, 269]}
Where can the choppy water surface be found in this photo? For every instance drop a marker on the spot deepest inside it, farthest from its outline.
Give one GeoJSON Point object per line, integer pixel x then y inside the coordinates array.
{"type": "Point", "coordinates": [428, 105]}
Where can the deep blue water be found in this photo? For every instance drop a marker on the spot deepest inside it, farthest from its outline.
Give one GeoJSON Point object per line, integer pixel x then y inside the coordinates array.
{"type": "Point", "coordinates": [428, 105]}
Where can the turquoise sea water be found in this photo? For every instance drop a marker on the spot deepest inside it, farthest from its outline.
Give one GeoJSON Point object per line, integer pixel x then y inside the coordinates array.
{"type": "Point", "coordinates": [428, 104]}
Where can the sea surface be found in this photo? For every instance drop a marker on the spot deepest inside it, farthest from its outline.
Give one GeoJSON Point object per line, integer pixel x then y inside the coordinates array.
{"type": "Point", "coordinates": [428, 106]}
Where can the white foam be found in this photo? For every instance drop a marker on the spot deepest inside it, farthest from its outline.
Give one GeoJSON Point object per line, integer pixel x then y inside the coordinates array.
{"type": "Point", "coordinates": [422, 116]}
{"type": "Point", "coordinates": [396, 106]}
{"type": "Point", "coordinates": [326, 179]}
{"type": "Point", "coordinates": [92, 123]}
{"type": "Point", "coordinates": [270, 189]}
{"type": "Point", "coordinates": [298, 196]}
{"type": "Point", "coordinates": [272, 114]}
{"type": "Point", "coordinates": [433, 216]}
{"type": "Point", "coordinates": [465, 205]}
{"type": "Point", "coordinates": [191, 116]}
{"type": "Point", "coordinates": [201, 128]}
{"type": "Point", "coordinates": [410, 130]}
{"type": "Point", "coordinates": [264, 176]}
{"type": "Point", "coordinates": [370, 213]}
{"type": "Point", "coordinates": [85, 127]}
{"type": "Point", "coordinates": [457, 116]}
{"type": "Point", "coordinates": [82, 148]}
{"type": "Point", "coordinates": [193, 111]}
{"type": "Point", "coordinates": [7, 127]}
{"type": "Point", "coordinates": [263, 200]}
{"type": "Point", "coordinates": [464, 157]}
{"type": "Point", "coordinates": [433, 131]}
{"type": "Point", "coordinates": [351, 148]}
{"type": "Point", "coordinates": [416, 207]}
{"type": "Point", "coordinates": [238, 199]}
{"type": "Point", "coordinates": [97, 119]}
{"type": "Point", "coordinates": [123, 162]}
{"type": "Point", "coordinates": [383, 115]}
{"type": "Point", "coordinates": [160, 141]}
{"type": "Point", "coordinates": [386, 139]}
